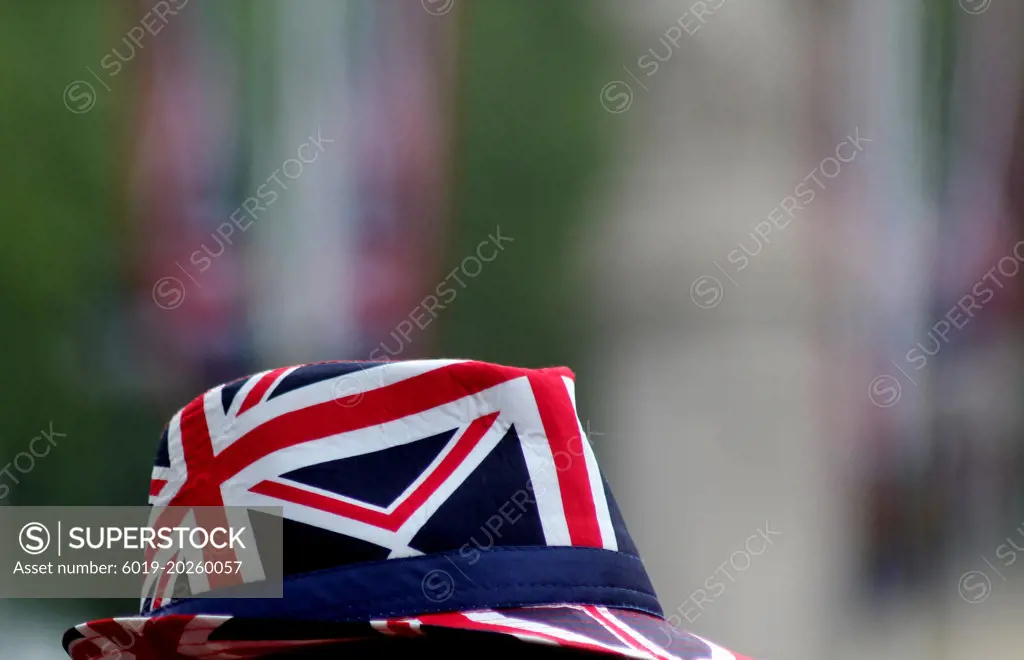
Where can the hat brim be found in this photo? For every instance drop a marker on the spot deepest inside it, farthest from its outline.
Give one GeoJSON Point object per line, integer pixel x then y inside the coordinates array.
{"type": "Point", "coordinates": [601, 630]}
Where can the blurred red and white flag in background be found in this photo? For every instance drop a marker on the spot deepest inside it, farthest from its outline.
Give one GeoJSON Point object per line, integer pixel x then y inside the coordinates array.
{"type": "Point", "coordinates": [301, 148]}
{"type": "Point", "coordinates": [183, 185]}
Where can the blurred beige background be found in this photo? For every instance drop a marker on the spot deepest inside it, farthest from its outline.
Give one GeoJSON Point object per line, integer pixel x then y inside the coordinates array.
{"type": "Point", "coordinates": [748, 413]}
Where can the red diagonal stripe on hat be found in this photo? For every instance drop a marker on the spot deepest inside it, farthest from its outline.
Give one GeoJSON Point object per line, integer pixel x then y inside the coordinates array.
{"type": "Point", "coordinates": [255, 395]}
{"type": "Point", "coordinates": [197, 450]}
{"type": "Point", "coordinates": [378, 406]}
{"type": "Point", "coordinates": [199, 490]}
{"type": "Point", "coordinates": [155, 486]}
{"type": "Point", "coordinates": [394, 520]}
{"type": "Point", "coordinates": [562, 427]}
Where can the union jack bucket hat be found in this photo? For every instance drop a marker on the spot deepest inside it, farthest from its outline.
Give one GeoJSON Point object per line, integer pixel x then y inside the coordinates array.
{"type": "Point", "coordinates": [423, 498]}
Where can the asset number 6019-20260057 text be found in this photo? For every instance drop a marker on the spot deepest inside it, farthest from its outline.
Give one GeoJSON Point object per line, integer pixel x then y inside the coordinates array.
{"type": "Point", "coordinates": [182, 567]}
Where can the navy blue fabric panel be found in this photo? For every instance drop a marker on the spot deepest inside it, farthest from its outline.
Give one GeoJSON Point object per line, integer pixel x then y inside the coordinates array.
{"type": "Point", "coordinates": [500, 578]}
{"type": "Point", "coordinates": [494, 506]}
{"type": "Point", "coordinates": [230, 391]}
{"type": "Point", "coordinates": [163, 454]}
{"type": "Point", "coordinates": [315, 373]}
{"type": "Point", "coordinates": [317, 549]}
{"type": "Point", "coordinates": [378, 477]}
{"type": "Point", "coordinates": [622, 537]}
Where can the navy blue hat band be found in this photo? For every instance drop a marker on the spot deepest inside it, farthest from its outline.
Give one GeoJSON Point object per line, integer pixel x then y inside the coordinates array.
{"type": "Point", "coordinates": [499, 578]}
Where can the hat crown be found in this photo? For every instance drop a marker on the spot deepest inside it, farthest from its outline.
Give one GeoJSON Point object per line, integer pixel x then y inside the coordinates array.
{"type": "Point", "coordinates": [374, 461]}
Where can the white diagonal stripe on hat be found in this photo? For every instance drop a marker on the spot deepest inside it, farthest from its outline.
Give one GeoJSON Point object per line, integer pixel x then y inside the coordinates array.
{"type": "Point", "coordinates": [604, 518]}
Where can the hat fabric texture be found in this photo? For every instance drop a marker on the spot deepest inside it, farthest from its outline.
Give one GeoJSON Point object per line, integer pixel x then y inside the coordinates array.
{"type": "Point", "coordinates": [419, 498]}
